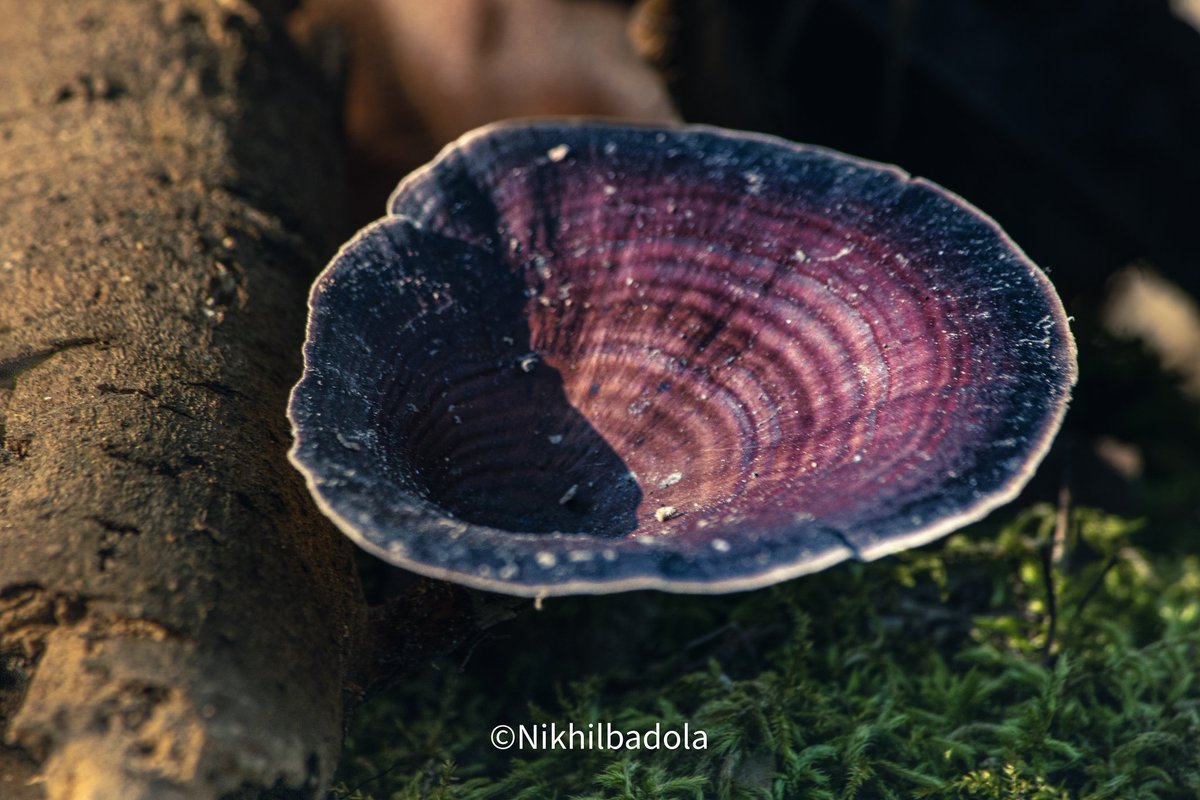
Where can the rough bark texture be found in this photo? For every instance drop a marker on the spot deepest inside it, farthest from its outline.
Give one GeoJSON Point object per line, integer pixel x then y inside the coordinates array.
{"type": "Point", "coordinates": [175, 620]}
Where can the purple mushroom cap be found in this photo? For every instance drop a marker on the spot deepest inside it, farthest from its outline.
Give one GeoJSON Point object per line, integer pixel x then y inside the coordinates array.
{"type": "Point", "coordinates": [580, 357]}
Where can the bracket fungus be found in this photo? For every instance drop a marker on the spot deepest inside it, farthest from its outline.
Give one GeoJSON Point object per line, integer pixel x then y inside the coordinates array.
{"type": "Point", "coordinates": [583, 357]}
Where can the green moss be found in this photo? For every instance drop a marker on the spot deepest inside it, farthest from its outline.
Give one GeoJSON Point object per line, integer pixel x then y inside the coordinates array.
{"type": "Point", "coordinates": [993, 665]}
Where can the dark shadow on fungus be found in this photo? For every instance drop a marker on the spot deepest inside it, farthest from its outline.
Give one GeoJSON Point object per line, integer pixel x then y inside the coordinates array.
{"type": "Point", "coordinates": [478, 420]}
{"type": "Point", "coordinates": [441, 388]}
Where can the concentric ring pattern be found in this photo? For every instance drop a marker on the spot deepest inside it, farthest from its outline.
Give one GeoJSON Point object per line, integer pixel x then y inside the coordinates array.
{"type": "Point", "coordinates": [580, 357]}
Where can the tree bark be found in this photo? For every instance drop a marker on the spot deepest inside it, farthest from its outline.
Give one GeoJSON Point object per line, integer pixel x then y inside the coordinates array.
{"type": "Point", "coordinates": [176, 620]}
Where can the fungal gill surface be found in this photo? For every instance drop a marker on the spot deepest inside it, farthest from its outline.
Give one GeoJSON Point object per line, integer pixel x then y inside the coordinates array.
{"type": "Point", "coordinates": [579, 357]}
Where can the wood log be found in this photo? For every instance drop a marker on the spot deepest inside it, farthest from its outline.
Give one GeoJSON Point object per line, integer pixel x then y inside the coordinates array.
{"type": "Point", "coordinates": [176, 620]}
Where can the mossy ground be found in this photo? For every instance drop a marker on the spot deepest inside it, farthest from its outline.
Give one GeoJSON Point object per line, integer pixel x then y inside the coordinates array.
{"type": "Point", "coordinates": [1048, 652]}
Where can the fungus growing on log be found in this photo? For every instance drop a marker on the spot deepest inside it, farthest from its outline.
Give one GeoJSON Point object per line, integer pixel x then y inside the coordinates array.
{"type": "Point", "coordinates": [579, 358]}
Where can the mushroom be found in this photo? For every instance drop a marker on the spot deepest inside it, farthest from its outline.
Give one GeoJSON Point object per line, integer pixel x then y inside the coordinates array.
{"type": "Point", "coordinates": [579, 357]}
